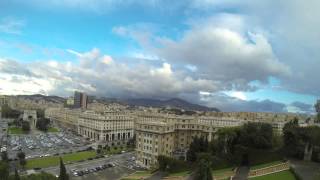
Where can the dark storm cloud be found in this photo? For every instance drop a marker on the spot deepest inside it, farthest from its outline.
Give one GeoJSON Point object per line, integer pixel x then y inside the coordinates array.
{"type": "Point", "coordinates": [227, 103]}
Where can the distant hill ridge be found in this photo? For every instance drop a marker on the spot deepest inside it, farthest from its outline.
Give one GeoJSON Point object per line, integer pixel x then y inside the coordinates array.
{"type": "Point", "coordinates": [172, 103]}
{"type": "Point", "coordinates": [54, 99]}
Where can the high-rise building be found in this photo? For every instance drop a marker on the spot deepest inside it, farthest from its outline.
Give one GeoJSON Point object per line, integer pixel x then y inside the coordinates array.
{"type": "Point", "coordinates": [80, 100]}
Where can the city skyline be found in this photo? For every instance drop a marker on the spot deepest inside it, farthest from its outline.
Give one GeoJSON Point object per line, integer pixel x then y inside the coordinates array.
{"type": "Point", "coordinates": [233, 55]}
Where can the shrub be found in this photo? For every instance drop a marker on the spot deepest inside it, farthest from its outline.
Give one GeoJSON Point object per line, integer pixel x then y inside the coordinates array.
{"type": "Point", "coordinates": [171, 165]}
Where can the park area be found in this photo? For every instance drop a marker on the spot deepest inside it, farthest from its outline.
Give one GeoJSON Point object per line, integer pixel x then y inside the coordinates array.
{"type": "Point", "coordinates": [54, 160]}
{"type": "Point", "coordinates": [16, 130]}
{"type": "Point", "coordinates": [223, 173]}
{"type": "Point", "coordinates": [52, 129]}
{"type": "Point", "coordinates": [138, 175]}
{"type": "Point", "coordinates": [283, 175]}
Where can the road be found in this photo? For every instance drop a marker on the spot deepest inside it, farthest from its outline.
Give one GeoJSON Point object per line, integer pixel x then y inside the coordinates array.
{"type": "Point", "coordinates": [121, 169]}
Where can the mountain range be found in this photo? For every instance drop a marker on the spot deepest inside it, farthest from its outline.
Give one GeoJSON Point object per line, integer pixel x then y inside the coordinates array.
{"type": "Point", "coordinates": [146, 102]}
{"type": "Point", "coordinates": [172, 103]}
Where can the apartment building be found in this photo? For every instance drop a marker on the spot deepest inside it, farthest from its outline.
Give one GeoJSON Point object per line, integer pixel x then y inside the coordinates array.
{"type": "Point", "coordinates": [64, 117]}
{"type": "Point", "coordinates": [100, 107]}
{"type": "Point", "coordinates": [164, 133]}
{"type": "Point", "coordinates": [70, 101]}
{"type": "Point", "coordinates": [108, 127]}
{"type": "Point", "coordinates": [3, 100]}
{"type": "Point", "coordinates": [22, 103]}
{"type": "Point", "coordinates": [159, 133]}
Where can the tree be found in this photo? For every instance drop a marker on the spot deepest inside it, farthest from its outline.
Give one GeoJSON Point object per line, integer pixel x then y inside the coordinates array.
{"type": "Point", "coordinates": [203, 171]}
{"type": "Point", "coordinates": [16, 175]}
{"type": "Point", "coordinates": [193, 149]}
{"type": "Point", "coordinates": [163, 162]}
{"type": "Point", "coordinates": [7, 112]}
{"type": "Point", "coordinates": [317, 107]}
{"type": "Point", "coordinates": [198, 145]}
{"type": "Point", "coordinates": [63, 172]}
{"type": "Point", "coordinates": [291, 124]}
{"type": "Point", "coordinates": [26, 126]}
{"type": "Point", "coordinates": [43, 124]}
{"type": "Point", "coordinates": [22, 158]}
{"type": "Point", "coordinates": [296, 138]}
{"type": "Point", "coordinates": [256, 135]}
{"type": "Point", "coordinates": [99, 149]}
{"type": "Point", "coordinates": [40, 113]}
{"type": "Point", "coordinates": [17, 122]}
{"type": "Point", "coordinates": [132, 141]}
{"type": "Point", "coordinates": [4, 156]}
{"type": "Point", "coordinates": [171, 165]}
{"type": "Point", "coordinates": [4, 170]}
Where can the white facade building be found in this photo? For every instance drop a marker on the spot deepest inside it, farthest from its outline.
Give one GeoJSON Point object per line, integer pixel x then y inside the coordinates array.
{"type": "Point", "coordinates": [107, 128]}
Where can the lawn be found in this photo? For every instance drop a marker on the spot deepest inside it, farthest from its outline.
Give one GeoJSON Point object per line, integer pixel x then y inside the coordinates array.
{"type": "Point", "coordinates": [259, 166]}
{"type": "Point", "coordinates": [226, 172]}
{"type": "Point", "coordinates": [116, 150]}
{"type": "Point", "coordinates": [182, 173]}
{"type": "Point", "coordinates": [283, 175]}
{"type": "Point", "coordinates": [15, 130]}
{"type": "Point", "coordinates": [219, 171]}
{"type": "Point", "coordinates": [54, 160]}
{"type": "Point", "coordinates": [138, 175]}
{"type": "Point", "coordinates": [52, 129]}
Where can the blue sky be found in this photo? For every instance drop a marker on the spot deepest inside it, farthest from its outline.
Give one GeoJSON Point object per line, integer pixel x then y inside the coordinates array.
{"type": "Point", "coordinates": [228, 54]}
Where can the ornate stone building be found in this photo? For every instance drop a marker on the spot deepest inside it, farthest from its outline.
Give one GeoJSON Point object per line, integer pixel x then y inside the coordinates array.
{"type": "Point", "coordinates": [159, 133]}
{"type": "Point", "coordinates": [30, 116]}
{"type": "Point", "coordinates": [67, 118]}
{"type": "Point", "coordinates": [165, 133]}
{"type": "Point", "coordinates": [108, 127]}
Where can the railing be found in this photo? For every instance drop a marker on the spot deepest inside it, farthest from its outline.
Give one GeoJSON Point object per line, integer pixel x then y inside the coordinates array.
{"type": "Point", "coordinates": [269, 170]}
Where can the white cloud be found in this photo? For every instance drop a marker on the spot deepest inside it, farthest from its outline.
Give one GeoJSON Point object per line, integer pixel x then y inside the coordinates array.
{"type": "Point", "coordinates": [106, 59]}
{"type": "Point", "coordinates": [292, 27]}
{"type": "Point", "coordinates": [145, 56]}
{"type": "Point", "coordinates": [217, 51]}
{"type": "Point", "coordinates": [74, 52]}
{"type": "Point", "coordinates": [11, 25]}
{"type": "Point", "coordinates": [99, 74]}
{"type": "Point", "coordinates": [238, 94]}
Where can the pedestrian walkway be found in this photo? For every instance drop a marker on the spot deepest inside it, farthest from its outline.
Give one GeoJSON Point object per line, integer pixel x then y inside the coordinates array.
{"type": "Point", "coordinates": [242, 173]}
{"type": "Point", "coordinates": [307, 170]}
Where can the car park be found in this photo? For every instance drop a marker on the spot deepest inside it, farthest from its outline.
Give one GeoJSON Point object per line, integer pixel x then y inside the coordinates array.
{"type": "Point", "coordinates": [45, 144]}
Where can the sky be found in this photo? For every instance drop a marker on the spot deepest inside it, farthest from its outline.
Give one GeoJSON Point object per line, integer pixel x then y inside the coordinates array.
{"type": "Point", "coordinates": [236, 55]}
